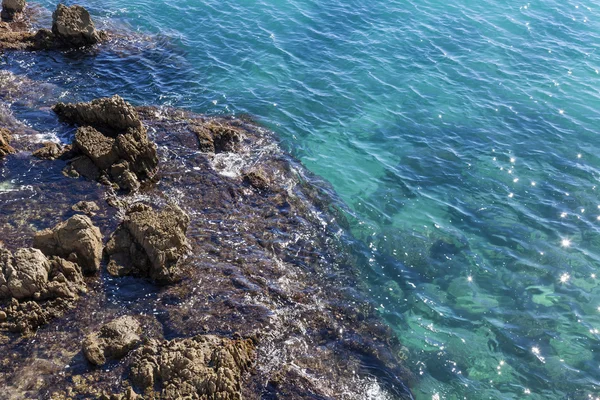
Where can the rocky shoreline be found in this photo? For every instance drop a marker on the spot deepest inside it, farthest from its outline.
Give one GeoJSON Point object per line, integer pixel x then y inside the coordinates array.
{"type": "Point", "coordinates": [174, 255]}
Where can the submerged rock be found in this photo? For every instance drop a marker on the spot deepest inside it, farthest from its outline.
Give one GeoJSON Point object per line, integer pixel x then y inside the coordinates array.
{"type": "Point", "coordinates": [86, 207]}
{"type": "Point", "coordinates": [74, 26]}
{"type": "Point", "coordinates": [215, 137]}
{"type": "Point", "coordinates": [76, 239]}
{"type": "Point", "coordinates": [148, 243]}
{"type": "Point", "coordinates": [204, 367]}
{"type": "Point", "coordinates": [5, 147]}
{"type": "Point", "coordinates": [11, 8]}
{"type": "Point", "coordinates": [113, 341]}
{"type": "Point", "coordinates": [113, 139]}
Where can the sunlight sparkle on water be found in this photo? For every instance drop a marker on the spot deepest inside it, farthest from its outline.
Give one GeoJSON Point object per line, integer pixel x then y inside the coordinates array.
{"type": "Point", "coordinates": [564, 278]}
{"type": "Point", "coordinates": [565, 243]}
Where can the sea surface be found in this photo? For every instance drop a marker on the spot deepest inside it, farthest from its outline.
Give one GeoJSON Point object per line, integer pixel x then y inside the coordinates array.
{"type": "Point", "coordinates": [460, 137]}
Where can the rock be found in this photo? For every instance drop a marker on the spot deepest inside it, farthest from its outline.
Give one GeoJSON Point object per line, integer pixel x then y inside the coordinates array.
{"type": "Point", "coordinates": [215, 137]}
{"type": "Point", "coordinates": [113, 139]}
{"type": "Point", "coordinates": [113, 341]}
{"type": "Point", "coordinates": [257, 179]}
{"type": "Point", "coordinates": [10, 8]}
{"type": "Point", "coordinates": [86, 207]}
{"type": "Point", "coordinates": [5, 147]}
{"type": "Point", "coordinates": [74, 26]}
{"type": "Point", "coordinates": [148, 243]}
{"type": "Point", "coordinates": [110, 115]}
{"type": "Point", "coordinates": [204, 367]}
{"type": "Point", "coordinates": [50, 151]}
{"type": "Point", "coordinates": [75, 239]}
{"type": "Point", "coordinates": [29, 274]}
{"type": "Point", "coordinates": [23, 275]}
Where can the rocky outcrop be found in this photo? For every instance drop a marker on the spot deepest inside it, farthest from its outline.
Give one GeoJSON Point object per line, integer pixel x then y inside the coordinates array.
{"type": "Point", "coordinates": [204, 367]}
{"type": "Point", "coordinates": [215, 137]}
{"type": "Point", "coordinates": [148, 243]}
{"type": "Point", "coordinates": [49, 151]}
{"type": "Point", "coordinates": [5, 147]}
{"type": "Point", "coordinates": [113, 341]}
{"type": "Point", "coordinates": [74, 26]}
{"type": "Point", "coordinates": [11, 9]}
{"type": "Point", "coordinates": [111, 137]}
{"type": "Point", "coordinates": [76, 239]}
{"type": "Point", "coordinates": [37, 288]}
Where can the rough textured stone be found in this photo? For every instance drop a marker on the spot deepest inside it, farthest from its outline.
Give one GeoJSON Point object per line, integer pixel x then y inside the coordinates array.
{"type": "Point", "coordinates": [50, 151]}
{"type": "Point", "coordinates": [24, 274]}
{"type": "Point", "coordinates": [74, 25]}
{"type": "Point", "coordinates": [10, 8]}
{"type": "Point", "coordinates": [214, 137]}
{"type": "Point", "coordinates": [203, 367]}
{"type": "Point", "coordinates": [113, 341]}
{"type": "Point", "coordinates": [75, 239]}
{"type": "Point", "coordinates": [148, 243]}
{"type": "Point", "coordinates": [86, 207]}
{"type": "Point", "coordinates": [5, 147]}
{"type": "Point", "coordinates": [113, 139]}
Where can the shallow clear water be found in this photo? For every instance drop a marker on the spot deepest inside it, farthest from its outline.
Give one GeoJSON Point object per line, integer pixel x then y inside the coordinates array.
{"type": "Point", "coordinates": [460, 135]}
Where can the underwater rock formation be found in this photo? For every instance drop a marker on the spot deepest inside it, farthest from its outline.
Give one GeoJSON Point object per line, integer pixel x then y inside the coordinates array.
{"type": "Point", "coordinates": [11, 8]}
{"type": "Point", "coordinates": [76, 239]}
{"type": "Point", "coordinates": [5, 147]}
{"type": "Point", "coordinates": [113, 341]}
{"type": "Point", "coordinates": [74, 26]}
{"type": "Point", "coordinates": [203, 367]}
{"type": "Point", "coordinates": [148, 243]}
{"type": "Point", "coordinates": [36, 288]}
{"type": "Point", "coordinates": [112, 140]}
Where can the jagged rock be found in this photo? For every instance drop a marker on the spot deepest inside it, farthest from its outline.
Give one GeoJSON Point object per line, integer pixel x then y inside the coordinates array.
{"type": "Point", "coordinates": [113, 341]}
{"type": "Point", "coordinates": [74, 26]}
{"type": "Point", "coordinates": [10, 8]}
{"type": "Point", "coordinates": [214, 137]}
{"type": "Point", "coordinates": [204, 367]}
{"type": "Point", "coordinates": [257, 179]}
{"type": "Point", "coordinates": [110, 115]}
{"type": "Point", "coordinates": [76, 239]}
{"type": "Point", "coordinates": [50, 151]}
{"type": "Point", "coordinates": [5, 147]}
{"type": "Point", "coordinates": [86, 207]}
{"type": "Point", "coordinates": [113, 139]}
{"type": "Point", "coordinates": [148, 243]}
{"type": "Point", "coordinates": [39, 288]}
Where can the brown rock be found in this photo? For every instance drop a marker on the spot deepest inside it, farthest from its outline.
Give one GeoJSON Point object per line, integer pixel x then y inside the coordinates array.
{"type": "Point", "coordinates": [23, 275]}
{"type": "Point", "coordinates": [5, 147]}
{"type": "Point", "coordinates": [149, 243]}
{"type": "Point", "coordinates": [10, 8]}
{"type": "Point", "coordinates": [77, 238]}
{"type": "Point", "coordinates": [204, 367]}
{"type": "Point", "coordinates": [86, 207]}
{"type": "Point", "coordinates": [113, 341]}
{"type": "Point", "coordinates": [257, 179]}
{"type": "Point", "coordinates": [50, 151]}
{"type": "Point", "coordinates": [74, 26]}
{"type": "Point", "coordinates": [97, 146]}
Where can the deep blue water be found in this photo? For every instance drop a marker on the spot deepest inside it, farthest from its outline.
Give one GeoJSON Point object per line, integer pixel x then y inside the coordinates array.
{"type": "Point", "coordinates": [461, 136]}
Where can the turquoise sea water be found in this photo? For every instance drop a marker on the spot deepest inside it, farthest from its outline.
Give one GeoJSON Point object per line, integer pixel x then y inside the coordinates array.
{"type": "Point", "coordinates": [460, 135]}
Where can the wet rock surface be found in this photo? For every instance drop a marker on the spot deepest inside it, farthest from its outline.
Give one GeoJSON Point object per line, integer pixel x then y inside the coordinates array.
{"type": "Point", "coordinates": [72, 27]}
{"type": "Point", "coordinates": [49, 151]}
{"type": "Point", "coordinates": [203, 367]}
{"type": "Point", "coordinates": [112, 140]}
{"type": "Point", "coordinates": [35, 288]}
{"type": "Point", "coordinates": [12, 9]}
{"type": "Point", "coordinates": [265, 261]}
{"type": "Point", "coordinates": [149, 243]}
{"type": "Point", "coordinates": [5, 148]}
{"type": "Point", "coordinates": [76, 239]}
{"type": "Point", "coordinates": [113, 341]}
